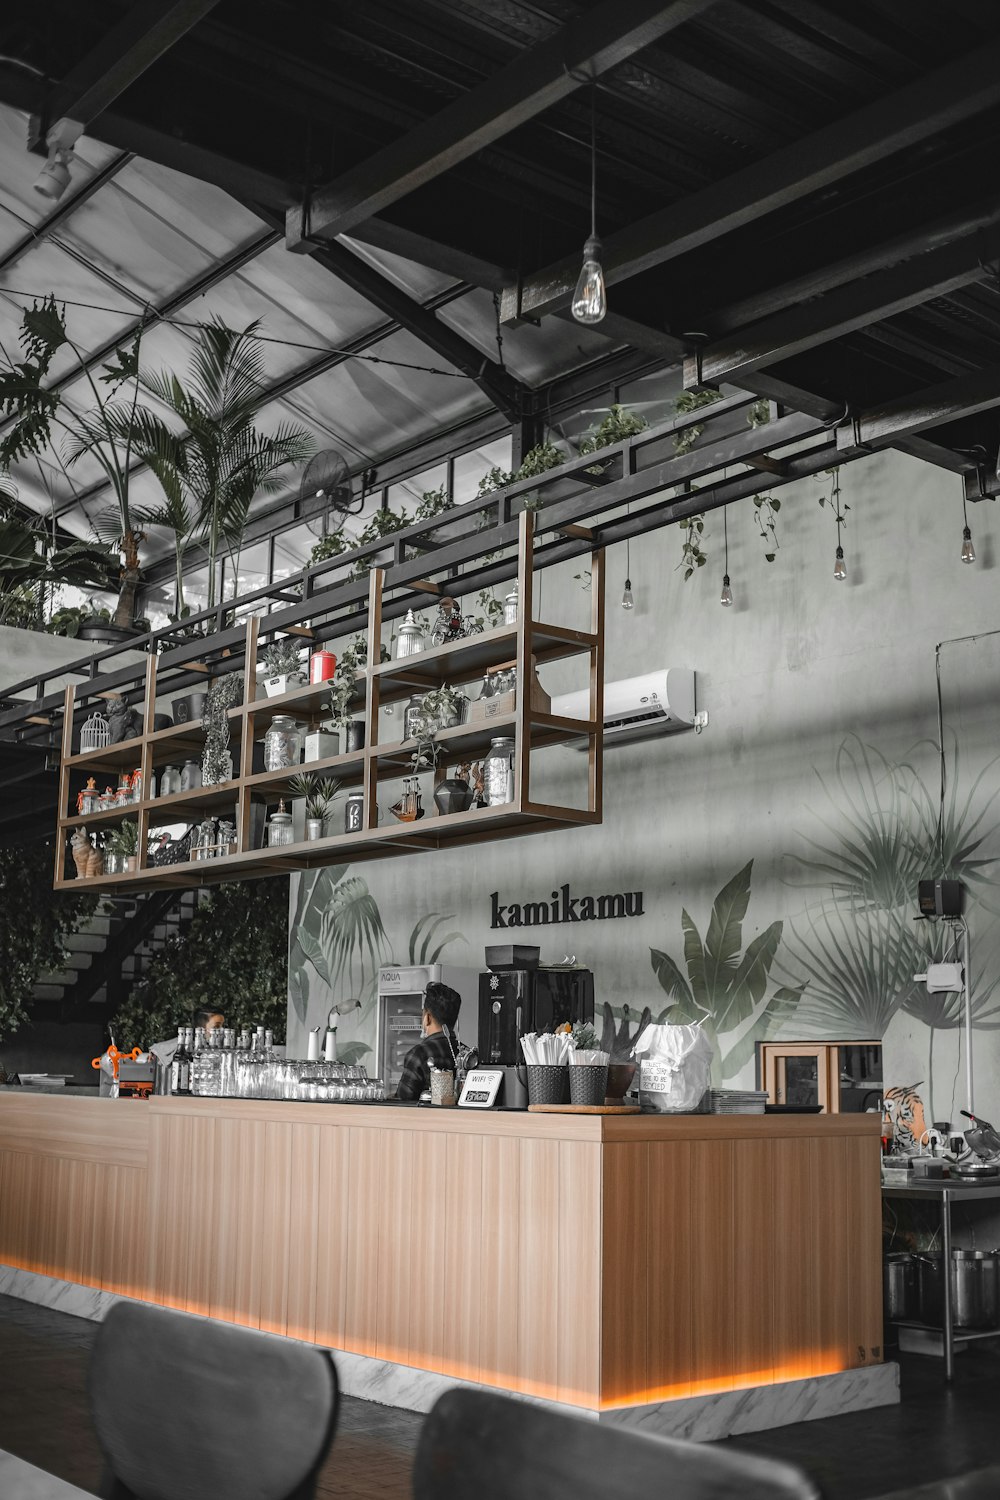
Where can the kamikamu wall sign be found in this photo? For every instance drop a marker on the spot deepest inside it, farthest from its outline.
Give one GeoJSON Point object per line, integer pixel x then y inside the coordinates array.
{"type": "Point", "coordinates": [563, 906]}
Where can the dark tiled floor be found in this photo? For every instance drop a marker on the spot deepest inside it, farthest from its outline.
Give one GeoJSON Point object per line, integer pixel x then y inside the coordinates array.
{"type": "Point", "coordinates": [935, 1433]}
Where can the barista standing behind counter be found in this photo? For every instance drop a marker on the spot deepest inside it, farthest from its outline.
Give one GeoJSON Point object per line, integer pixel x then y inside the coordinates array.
{"type": "Point", "coordinates": [437, 1045]}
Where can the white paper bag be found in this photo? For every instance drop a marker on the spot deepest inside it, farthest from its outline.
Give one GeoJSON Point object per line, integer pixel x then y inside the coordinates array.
{"type": "Point", "coordinates": [675, 1069]}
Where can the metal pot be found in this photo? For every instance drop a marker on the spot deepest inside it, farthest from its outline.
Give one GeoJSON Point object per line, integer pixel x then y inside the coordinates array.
{"type": "Point", "coordinates": [899, 1286]}
{"type": "Point", "coordinates": [314, 828]}
{"type": "Point", "coordinates": [975, 1288]}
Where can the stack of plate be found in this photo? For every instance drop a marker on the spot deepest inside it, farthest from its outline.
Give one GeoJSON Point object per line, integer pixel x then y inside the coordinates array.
{"type": "Point", "coordinates": [738, 1102]}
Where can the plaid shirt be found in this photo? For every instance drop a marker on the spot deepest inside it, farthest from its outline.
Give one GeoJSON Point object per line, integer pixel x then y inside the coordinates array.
{"type": "Point", "coordinates": [434, 1050]}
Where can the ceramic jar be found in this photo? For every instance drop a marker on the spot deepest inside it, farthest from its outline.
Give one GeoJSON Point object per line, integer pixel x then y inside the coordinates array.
{"type": "Point", "coordinates": [322, 665]}
{"type": "Point", "coordinates": [510, 605]}
{"type": "Point", "coordinates": [410, 639]}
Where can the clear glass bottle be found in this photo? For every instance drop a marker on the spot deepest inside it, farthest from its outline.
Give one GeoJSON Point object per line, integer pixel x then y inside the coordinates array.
{"type": "Point", "coordinates": [197, 1061]}
{"type": "Point", "coordinates": [180, 1067]}
{"type": "Point", "coordinates": [170, 781]}
{"type": "Point", "coordinates": [190, 776]}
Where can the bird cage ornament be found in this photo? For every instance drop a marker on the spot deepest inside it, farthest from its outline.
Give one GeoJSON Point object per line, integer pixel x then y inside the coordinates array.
{"type": "Point", "coordinates": [95, 734]}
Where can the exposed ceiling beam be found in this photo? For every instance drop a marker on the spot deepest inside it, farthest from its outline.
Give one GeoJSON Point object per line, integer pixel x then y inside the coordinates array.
{"type": "Point", "coordinates": [535, 81]}
{"type": "Point", "coordinates": [450, 260]}
{"type": "Point", "coordinates": [824, 277]}
{"type": "Point", "coordinates": [882, 426]}
{"type": "Point", "coordinates": [934, 453]}
{"type": "Point", "coordinates": [896, 122]}
{"type": "Point", "coordinates": [506, 393]}
{"type": "Point", "coordinates": [22, 91]}
{"type": "Point", "coordinates": [147, 30]}
{"type": "Point", "coordinates": [844, 310]}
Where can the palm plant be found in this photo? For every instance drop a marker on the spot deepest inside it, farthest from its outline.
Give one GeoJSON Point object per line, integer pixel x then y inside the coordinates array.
{"type": "Point", "coordinates": [226, 461]}
{"type": "Point", "coordinates": [105, 432]}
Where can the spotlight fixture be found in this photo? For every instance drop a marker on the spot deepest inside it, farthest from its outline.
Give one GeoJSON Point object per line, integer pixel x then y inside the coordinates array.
{"type": "Point", "coordinates": [54, 178]}
{"type": "Point", "coordinates": [968, 553]}
{"type": "Point", "coordinates": [839, 566]}
{"type": "Point", "coordinates": [590, 299]}
{"type": "Point", "coordinates": [727, 593]}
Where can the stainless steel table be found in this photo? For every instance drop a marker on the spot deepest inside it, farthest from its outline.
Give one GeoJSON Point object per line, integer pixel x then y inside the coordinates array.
{"type": "Point", "coordinates": [24, 1481]}
{"type": "Point", "coordinates": [947, 1191]}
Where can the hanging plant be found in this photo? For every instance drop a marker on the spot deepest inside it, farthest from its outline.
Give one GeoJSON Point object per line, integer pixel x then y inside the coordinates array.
{"type": "Point", "coordinates": [689, 401]}
{"type": "Point", "coordinates": [766, 508]}
{"type": "Point", "coordinates": [692, 557]}
{"type": "Point", "coordinates": [216, 762]}
{"type": "Point", "coordinates": [383, 523]}
{"type": "Point", "coordinates": [433, 503]}
{"type": "Point", "coordinates": [759, 414]}
{"type": "Point", "coordinates": [619, 424]}
{"type": "Point", "coordinates": [329, 546]}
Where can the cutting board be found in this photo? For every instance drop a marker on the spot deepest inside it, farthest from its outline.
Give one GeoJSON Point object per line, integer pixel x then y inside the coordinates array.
{"type": "Point", "coordinates": [584, 1109]}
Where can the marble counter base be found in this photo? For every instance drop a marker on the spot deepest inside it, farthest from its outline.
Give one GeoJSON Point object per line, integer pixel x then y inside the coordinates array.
{"type": "Point", "coordinates": [700, 1418]}
{"type": "Point", "coordinates": [703, 1419]}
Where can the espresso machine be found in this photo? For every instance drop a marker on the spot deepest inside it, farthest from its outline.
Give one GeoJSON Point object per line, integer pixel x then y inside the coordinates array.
{"type": "Point", "coordinates": [513, 1001]}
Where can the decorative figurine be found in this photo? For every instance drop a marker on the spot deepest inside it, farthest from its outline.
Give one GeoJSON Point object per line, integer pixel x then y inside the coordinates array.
{"type": "Point", "coordinates": [448, 626]}
{"type": "Point", "coordinates": [81, 846]}
{"type": "Point", "coordinates": [123, 720]}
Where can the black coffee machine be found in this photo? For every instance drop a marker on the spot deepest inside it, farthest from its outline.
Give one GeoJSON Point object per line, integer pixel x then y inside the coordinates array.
{"type": "Point", "coordinates": [516, 996]}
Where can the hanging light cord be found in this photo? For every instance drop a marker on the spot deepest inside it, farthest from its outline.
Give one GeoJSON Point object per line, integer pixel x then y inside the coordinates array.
{"type": "Point", "coordinates": [725, 537]}
{"type": "Point", "coordinates": [593, 158]}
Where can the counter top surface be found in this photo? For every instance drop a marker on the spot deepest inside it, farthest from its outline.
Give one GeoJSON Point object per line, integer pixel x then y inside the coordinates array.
{"type": "Point", "coordinates": [393, 1116]}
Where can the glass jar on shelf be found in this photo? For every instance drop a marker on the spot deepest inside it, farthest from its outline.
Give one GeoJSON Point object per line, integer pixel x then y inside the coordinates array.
{"type": "Point", "coordinates": [282, 743]}
{"type": "Point", "coordinates": [354, 812]}
{"type": "Point", "coordinates": [203, 845]}
{"type": "Point", "coordinates": [498, 772]}
{"type": "Point", "coordinates": [279, 827]}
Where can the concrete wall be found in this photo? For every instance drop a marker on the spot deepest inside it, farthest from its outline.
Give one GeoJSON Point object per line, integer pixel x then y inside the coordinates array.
{"type": "Point", "coordinates": [811, 799]}
{"type": "Point", "coordinates": [25, 653]}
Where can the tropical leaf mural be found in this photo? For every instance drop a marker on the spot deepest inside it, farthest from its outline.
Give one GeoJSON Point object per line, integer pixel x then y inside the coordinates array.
{"type": "Point", "coordinates": [337, 931]}
{"type": "Point", "coordinates": [721, 989]}
{"type": "Point", "coordinates": [855, 951]}
{"type": "Point", "coordinates": [422, 948]}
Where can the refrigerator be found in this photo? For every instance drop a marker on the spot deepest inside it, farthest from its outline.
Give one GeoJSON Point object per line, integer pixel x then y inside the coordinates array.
{"type": "Point", "coordinates": [400, 1002]}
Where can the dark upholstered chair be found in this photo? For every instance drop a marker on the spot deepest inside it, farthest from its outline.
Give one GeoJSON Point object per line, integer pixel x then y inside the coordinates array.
{"type": "Point", "coordinates": [189, 1409]}
{"type": "Point", "coordinates": [496, 1448]}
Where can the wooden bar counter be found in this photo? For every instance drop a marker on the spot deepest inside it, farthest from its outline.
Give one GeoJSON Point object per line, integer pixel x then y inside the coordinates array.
{"type": "Point", "coordinates": [604, 1262]}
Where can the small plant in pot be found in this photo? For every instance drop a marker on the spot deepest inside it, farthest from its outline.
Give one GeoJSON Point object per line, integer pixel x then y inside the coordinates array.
{"type": "Point", "coordinates": [319, 792]}
{"type": "Point", "coordinates": [352, 660]}
{"type": "Point", "coordinates": [282, 668]}
{"type": "Point", "coordinates": [121, 848]}
{"type": "Point", "coordinates": [444, 707]}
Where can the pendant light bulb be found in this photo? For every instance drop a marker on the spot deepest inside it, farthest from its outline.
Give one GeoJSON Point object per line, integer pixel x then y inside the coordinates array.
{"type": "Point", "coordinates": [968, 550]}
{"type": "Point", "coordinates": [590, 300]}
{"type": "Point", "coordinates": [727, 593]}
{"type": "Point", "coordinates": [627, 601]}
{"type": "Point", "coordinates": [840, 567]}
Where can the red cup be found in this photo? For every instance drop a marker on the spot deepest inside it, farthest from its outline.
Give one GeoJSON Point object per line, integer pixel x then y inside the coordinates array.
{"type": "Point", "coordinates": [322, 665]}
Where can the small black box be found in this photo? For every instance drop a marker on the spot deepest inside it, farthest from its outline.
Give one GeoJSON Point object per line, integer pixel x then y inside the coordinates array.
{"type": "Point", "coordinates": [940, 898]}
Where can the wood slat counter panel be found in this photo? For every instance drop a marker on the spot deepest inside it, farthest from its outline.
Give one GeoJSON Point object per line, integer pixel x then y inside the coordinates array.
{"type": "Point", "coordinates": [598, 1261]}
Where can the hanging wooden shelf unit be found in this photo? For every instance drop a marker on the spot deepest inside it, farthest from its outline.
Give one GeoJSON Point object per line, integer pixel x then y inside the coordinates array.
{"type": "Point", "coordinates": [525, 646]}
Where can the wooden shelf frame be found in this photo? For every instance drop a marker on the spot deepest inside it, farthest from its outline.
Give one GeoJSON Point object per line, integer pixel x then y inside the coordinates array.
{"type": "Point", "coordinates": [523, 646]}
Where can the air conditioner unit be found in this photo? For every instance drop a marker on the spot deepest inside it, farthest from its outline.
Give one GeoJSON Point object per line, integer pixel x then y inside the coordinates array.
{"type": "Point", "coordinates": [638, 707]}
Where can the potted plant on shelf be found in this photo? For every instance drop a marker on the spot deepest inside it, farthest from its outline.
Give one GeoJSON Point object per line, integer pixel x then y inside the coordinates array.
{"type": "Point", "coordinates": [121, 848]}
{"type": "Point", "coordinates": [352, 660]}
{"type": "Point", "coordinates": [282, 668]}
{"type": "Point", "coordinates": [443, 707]}
{"type": "Point", "coordinates": [319, 792]}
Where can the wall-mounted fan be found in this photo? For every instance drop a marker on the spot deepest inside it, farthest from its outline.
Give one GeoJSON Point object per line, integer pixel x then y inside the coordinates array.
{"type": "Point", "coordinates": [326, 477]}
